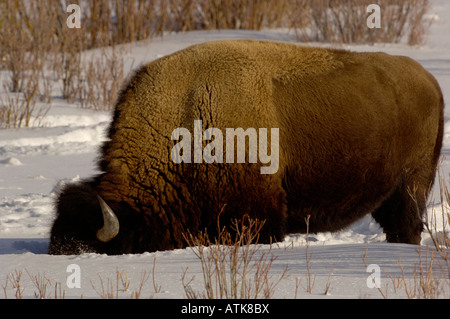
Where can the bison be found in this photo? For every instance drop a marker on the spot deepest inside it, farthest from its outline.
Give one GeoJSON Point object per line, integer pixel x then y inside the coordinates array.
{"type": "Point", "coordinates": [359, 133]}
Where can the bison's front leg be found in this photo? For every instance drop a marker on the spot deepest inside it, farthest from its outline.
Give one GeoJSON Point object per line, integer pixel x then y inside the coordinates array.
{"type": "Point", "coordinates": [255, 195]}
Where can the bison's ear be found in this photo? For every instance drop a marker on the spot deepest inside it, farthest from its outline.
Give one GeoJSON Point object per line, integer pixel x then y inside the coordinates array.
{"type": "Point", "coordinates": [110, 227]}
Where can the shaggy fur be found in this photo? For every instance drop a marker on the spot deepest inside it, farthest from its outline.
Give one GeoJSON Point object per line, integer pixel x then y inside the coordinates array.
{"type": "Point", "coordinates": [360, 133]}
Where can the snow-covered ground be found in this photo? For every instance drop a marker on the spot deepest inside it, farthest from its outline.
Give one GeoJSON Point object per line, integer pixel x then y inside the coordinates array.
{"type": "Point", "coordinates": [35, 161]}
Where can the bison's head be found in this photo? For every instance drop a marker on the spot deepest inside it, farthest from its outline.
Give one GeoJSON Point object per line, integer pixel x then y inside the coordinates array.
{"type": "Point", "coordinates": [86, 223]}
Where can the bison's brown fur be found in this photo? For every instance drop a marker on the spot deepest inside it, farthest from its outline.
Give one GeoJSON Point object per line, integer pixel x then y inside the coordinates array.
{"type": "Point", "coordinates": [360, 133]}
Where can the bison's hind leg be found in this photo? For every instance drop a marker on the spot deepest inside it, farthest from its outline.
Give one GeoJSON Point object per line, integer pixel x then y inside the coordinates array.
{"type": "Point", "coordinates": [401, 213]}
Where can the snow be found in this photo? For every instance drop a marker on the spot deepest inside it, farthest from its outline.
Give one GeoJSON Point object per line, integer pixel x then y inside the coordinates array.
{"type": "Point", "coordinates": [35, 161]}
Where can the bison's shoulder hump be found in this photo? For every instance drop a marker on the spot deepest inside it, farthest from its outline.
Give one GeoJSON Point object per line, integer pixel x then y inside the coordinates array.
{"type": "Point", "coordinates": [278, 59]}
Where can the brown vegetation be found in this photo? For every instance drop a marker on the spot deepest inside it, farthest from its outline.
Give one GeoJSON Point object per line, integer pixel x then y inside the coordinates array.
{"type": "Point", "coordinates": [233, 266]}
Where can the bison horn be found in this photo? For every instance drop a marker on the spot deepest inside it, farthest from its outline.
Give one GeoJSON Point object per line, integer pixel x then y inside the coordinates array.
{"type": "Point", "coordinates": [110, 227]}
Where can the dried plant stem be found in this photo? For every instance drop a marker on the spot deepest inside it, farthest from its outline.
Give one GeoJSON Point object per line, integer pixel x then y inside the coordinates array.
{"type": "Point", "coordinates": [233, 266]}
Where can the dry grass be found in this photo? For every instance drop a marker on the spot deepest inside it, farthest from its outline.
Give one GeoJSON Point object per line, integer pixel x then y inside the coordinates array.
{"type": "Point", "coordinates": [345, 21]}
{"type": "Point", "coordinates": [15, 279]}
{"type": "Point", "coordinates": [310, 278]}
{"type": "Point", "coordinates": [120, 286]}
{"type": "Point", "coordinates": [41, 282]}
{"type": "Point", "coordinates": [437, 223]}
{"type": "Point", "coordinates": [431, 274]}
{"type": "Point", "coordinates": [42, 285]}
{"type": "Point", "coordinates": [233, 266]}
{"type": "Point", "coordinates": [429, 280]}
{"type": "Point", "coordinates": [105, 287]}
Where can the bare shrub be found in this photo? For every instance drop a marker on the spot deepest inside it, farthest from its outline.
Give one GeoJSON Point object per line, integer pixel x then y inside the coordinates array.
{"type": "Point", "coordinates": [28, 39]}
{"type": "Point", "coordinates": [418, 24]}
{"type": "Point", "coordinates": [424, 282]}
{"type": "Point", "coordinates": [232, 265]}
{"type": "Point", "coordinates": [67, 64]}
{"type": "Point", "coordinates": [345, 22]}
{"type": "Point", "coordinates": [101, 78]}
{"type": "Point", "coordinates": [241, 14]}
{"type": "Point", "coordinates": [14, 44]}
{"type": "Point", "coordinates": [122, 21]}
{"type": "Point", "coordinates": [18, 109]}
